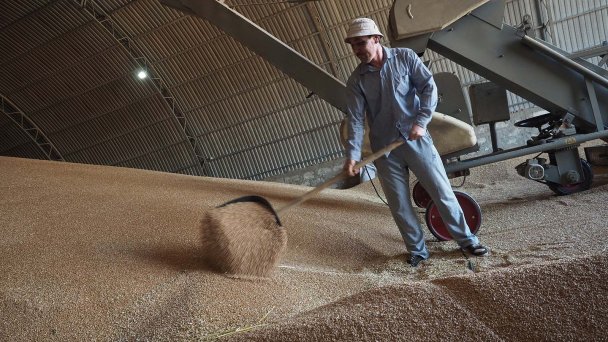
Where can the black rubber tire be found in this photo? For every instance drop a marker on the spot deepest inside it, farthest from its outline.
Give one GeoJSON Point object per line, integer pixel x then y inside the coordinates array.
{"type": "Point", "coordinates": [420, 196]}
{"type": "Point", "coordinates": [563, 190]}
{"type": "Point", "coordinates": [535, 121]}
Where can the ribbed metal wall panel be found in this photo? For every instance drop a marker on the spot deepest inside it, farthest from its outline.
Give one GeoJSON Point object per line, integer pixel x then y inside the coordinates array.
{"type": "Point", "coordinates": [232, 97]}
{"type": "Point", "coordinates": [11, 135]}
{"type": "Point", "coordinates": [272, 128]}
{"type": "Point", "coordinates": [342, 11]}
{"type": "Point", "coordinates": [143, 113]}
{"type": "Point", "coordinates": [192, 170]}
{"type": "Point", "coordinates": [110, 6]}
{"type": "Point", "coordinates": [277, 156]}
{"type": "Point", "coordinates": [123, 148]}
{"type": "Point", "coordinates": [11, 11]}
{"type": "Point", "coordinates": [515, 11]}
{"type": "Point", "coordinates": [226, 82]}
{"type": "Point", "coordinates": [54, 56]}
{"type": "Point", "coordinates": [579, 24]}
{"type": "Point", "coordinates": [202, 60]}
{"type": "Point", "coordinates": [255, 10]}
{"type": "Point", "coordinates": [92, 104]}
{"type": "Point", "coordinates": [84, 76]}
{"type": "Point", "coordinates": [14, 142]}
{"type": "Point", "coordinates": [26, 150]}
{"type": "Point", "coordinates": [312, 47]}
{"type": "Point", "coordinates": [158, 161]}
{"type": "Point", "coordinates": [142, 16]}
{"type": "Point", "coordinates": [245, 106]}
{"type": "Point", "coordinates": [262, 161]}
{"type": "Point", "coordinates": [291, 25]}
{"type": "Point", "coordinates": [297, 157]}
{"type": "Point", "coordinates": [40, 27]}
{"type": "Point", "coordinates": [179, 36]}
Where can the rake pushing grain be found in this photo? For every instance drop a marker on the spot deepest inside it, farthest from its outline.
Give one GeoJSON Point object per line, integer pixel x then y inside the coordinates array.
{"type": "Point", "coordinates": [245, 236]}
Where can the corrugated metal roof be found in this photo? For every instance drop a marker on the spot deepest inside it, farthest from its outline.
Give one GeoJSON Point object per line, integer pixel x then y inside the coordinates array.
{"type": "Point", "coordinates": [88, 74]}
{"type": "Point", "coordinates": [26, 150]}
{"type": "Point", "coordinates": [182, 36]}
{"type": "Point", "coordinates": [12, 136]}
{"type": "Point", "coordinates": [110, 6]}
{"type": "Point", "coordinates": [135, 116]}
{"type": "Point", "coordinates": [256, 9]}
{"type": "Point", "coordinates": [106, 98]}
{"type": "Point", "coordinates": [54, 56]}
{"type": "Point", "coordinates": [75, 79]}
{"type": "Point", "coordinates": [11, 11]}
{"type": "Point", "coordinates": [38, 27]}
{"type": "Point", "coordinates": [143, 16]}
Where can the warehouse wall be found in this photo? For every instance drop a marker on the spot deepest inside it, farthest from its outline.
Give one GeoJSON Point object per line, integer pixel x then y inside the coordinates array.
{"type": "Point", "coordinates": [507, 138]}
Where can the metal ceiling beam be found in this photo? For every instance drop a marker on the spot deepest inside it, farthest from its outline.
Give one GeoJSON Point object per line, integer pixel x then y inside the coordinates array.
{"type": "Point", "coordinates": [264, 44]}
{"type": "Point", "coordinates": [31, 129]}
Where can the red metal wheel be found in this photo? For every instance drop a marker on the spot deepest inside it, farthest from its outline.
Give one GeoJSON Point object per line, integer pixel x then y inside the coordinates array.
{"type": "Point", "coordinates": [420, 196]}
{"type": "Point", "coordinates": [472, 214]}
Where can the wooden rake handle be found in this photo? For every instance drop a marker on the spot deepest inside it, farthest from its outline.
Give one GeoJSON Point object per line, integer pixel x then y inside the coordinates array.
{"type": "Point", "coordinates": [341, 175]}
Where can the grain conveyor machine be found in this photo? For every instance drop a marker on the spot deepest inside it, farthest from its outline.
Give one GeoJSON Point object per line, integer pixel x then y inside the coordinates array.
{"type": "Point", "coordinates": [572, 91]}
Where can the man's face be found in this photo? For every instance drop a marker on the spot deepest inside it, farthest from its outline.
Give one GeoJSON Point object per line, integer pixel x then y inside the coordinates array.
{"type": "Point", "coordinates": [364, 47]}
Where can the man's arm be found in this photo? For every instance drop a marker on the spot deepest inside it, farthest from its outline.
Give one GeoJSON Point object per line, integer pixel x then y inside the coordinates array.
{"type": "Point", "coordinates": [356, 125]}
{"type": "Point", "coordinates": [416, 132]}
{"type": "Point", "coordinates": [423, 81]}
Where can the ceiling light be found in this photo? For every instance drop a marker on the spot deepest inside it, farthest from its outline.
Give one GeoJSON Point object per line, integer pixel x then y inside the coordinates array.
{"type": "Point", "coordinates": [142, 74]}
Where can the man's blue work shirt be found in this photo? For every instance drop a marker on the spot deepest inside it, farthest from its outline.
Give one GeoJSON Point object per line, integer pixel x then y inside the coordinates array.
{"type": "Point", "coordinates": [402, 92]}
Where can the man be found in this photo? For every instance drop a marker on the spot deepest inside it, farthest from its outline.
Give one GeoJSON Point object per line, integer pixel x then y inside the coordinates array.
{"type": "Point", "coordinates": [396, 92]}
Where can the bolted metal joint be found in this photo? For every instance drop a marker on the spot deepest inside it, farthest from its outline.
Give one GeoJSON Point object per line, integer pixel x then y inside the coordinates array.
{"type": "Point", "coordinates": [571, 177]}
